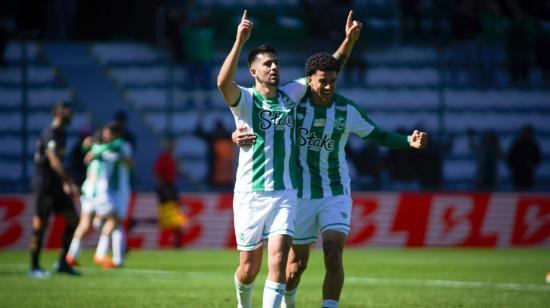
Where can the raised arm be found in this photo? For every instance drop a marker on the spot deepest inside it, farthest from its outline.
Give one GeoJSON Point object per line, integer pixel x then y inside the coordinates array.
{"type": "Point", "coordinates": [225, 81]}
{"type": "Point", "coordinates": [353, 29]}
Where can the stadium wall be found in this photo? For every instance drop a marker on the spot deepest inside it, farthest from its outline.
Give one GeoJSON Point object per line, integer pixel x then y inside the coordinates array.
{"type": "Point", "coordinates": [378, 220]}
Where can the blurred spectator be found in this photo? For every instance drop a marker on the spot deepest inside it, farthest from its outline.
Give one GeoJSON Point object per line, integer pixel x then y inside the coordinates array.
{"type": "Point", "coordinates": [465, 27]}
{"type": "Point", "coordinates": [4, 38]}
{"type": "Point", "coordinates": [5, 34]}
{"type": "Point", "coordinates": [440, 16]}
{"type": "Point", "coordinates": [166, 172]}
{"type": "Point", "coordinates": [199, 39]}
{"type": "Point", "coordinates": [368, 162]}
{"type": "Point", "coordinates": [488, 154]}
{"type": "Point", "coordinates": [319, 17]}
{"type": "Point", "coordinates": [355, 72]}
{"type": "Point", "coordinates": [490, 42]}
{"type": "Point", "coordinates": [400, 167]}
{"type": "Point", "coordinates": [429, 162]}
{"type": "Point", "coordinates": [523, 157]}
{"type": "Point", "coordinates": [542, 51]}
{"type": "Point", "coordinates": [521, 43]}
{"type": "Point", "coordinates": [221, 156]}
{"type": "Point", "coordinates": [175, 21]}
{"type": "Point", "coordinates": [410, 20]}
{"type": "Point", "coordinates": [7, 26]}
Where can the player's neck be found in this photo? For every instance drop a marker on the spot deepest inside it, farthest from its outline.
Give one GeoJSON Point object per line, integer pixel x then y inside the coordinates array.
{"type": "Point", "coordinates": [317, 101]}
{"type": "Point", "coordinates": [267, 91]}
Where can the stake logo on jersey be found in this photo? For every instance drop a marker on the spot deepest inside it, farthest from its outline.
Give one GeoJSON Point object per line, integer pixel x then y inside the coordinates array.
{"type": "Point", "coordinates": [278, 118]}
{"type": "Point", "coordinates": [313, 142]}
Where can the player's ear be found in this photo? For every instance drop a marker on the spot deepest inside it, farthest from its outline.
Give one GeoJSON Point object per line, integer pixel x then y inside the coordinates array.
{"type": "Point", "coordinates": [252, 71]}
{"type": "Point", "coordinates": [309, 80]}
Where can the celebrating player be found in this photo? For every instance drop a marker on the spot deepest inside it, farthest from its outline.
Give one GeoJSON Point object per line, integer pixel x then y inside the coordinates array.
{"type": "Point", "coordinates": [324, 122]}
{"type": "Point", "coordinates": [99, 196]}
{"type": "Point", "coordinates": [265, 197]}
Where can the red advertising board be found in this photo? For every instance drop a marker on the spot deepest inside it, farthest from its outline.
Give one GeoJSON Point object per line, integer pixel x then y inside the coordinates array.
{"type": "Point", "coordinates": [378, 219]}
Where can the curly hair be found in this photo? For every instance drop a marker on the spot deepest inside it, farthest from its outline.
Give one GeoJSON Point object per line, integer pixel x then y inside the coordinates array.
{"type": "Point", "coordinates": [321, 62]}
{"type": "Point", "coordinates": [264, 48]}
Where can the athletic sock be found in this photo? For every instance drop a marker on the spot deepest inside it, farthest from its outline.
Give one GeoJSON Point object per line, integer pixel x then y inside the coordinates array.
{"type": "Point", "coordinates": [330, 303]}
{"type": "Point", "coordinates": [102, 247]}
{"type": "Point", "coordinates": [273, 294]}
{"type": "Point", "coordinates": [244, 293]}
{"type": "Point", "coordinates": [118, 245]}
{"type": "Point", "coordinates": [74, 249]}
{"type": "Point", "coordinates": [36, 247]}
{"type": "Point", "coordinates": [289, 300]}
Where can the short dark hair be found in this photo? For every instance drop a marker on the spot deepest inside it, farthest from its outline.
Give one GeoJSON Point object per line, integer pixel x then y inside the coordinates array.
{"type": "Point", "coordinates": [321, 62]}
{"type": "Point", "coordinates": [60, 106]}
{"type": "Point", "coordinates": [258, 50]}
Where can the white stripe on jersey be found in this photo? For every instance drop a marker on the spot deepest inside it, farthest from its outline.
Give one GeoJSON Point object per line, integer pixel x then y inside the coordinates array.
{"type": "Point", "coordinates": [305, 181]}
{"type": "Point", "coordinates": [269, 155]}
{"type": "Point", "coordinates": [323, 157]}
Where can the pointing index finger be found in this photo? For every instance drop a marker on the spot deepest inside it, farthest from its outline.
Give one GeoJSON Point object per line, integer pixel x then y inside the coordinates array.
{"type": "Point", "coordinates": [245, 14]}
{"type": "Point", "coordinates": [350, 18]}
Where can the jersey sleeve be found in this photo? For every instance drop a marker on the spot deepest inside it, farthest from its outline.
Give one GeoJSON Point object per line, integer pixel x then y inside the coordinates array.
{"type": "Point", "coordinates": [296, 89]}
{"type": "Point", "coordinates": [367, 129]}
{"type": "Point", "coordinates": [48, 141]}
{"type": "Point", "coordinates": [244, 101]}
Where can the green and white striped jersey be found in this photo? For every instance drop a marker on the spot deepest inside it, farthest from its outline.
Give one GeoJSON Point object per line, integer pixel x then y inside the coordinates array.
{"type": "Point", "coordinates": [95, 183]}
{"type": "Point", "coordinates": [118, 170]}
{"type": "Point", "coordinates": [270, 164]}
{"type": "Point", "coordinates": [322, 134]}
{"type": "Point", "coordinates": [106, 172]}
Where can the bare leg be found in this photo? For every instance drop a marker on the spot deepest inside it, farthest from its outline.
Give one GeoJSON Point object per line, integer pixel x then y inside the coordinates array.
{"type": "Point", "coordinates": [296, 265]}
{"type": "Point", "coordinates": [333, 246]}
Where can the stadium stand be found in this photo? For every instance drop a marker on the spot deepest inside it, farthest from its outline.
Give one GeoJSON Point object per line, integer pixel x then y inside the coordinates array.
{"type": "Point", "coordinates": [45, 87]}
{"type": "Point", "coordinates": [404, 86]}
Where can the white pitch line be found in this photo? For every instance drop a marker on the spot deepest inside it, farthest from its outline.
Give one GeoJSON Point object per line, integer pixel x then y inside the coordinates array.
{"type": "Point", "coordinates": [448, 283]}
{"type": "Point", "coordinates": [410, 282]}
{"type": "Point", "coordinates": [125, 270]}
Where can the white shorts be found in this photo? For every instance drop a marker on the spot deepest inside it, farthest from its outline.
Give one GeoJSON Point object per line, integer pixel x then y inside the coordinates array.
{"type": "Point", "coordinates": [260, 215]}
{"type": "Point", "coordinates": [102, 206]}
{"type": "Point", "coordinates": [315, 216]}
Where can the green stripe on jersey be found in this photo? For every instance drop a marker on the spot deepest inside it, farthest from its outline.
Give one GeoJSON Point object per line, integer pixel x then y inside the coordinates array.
{"type": "Point", "coordinates": [279, 148]}
{"type": "Point", "coordinates": [314, 153]}
{"type": "Point", "coordinates": [340, 118]}
{"type": "Point", "coordinates": [300, 117]}
{"type": "Point", "coordinates": [258, 157]}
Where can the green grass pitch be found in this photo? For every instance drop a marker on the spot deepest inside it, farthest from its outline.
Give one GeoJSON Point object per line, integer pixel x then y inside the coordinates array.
{"type": "Point", "coordinates": [374, 278]}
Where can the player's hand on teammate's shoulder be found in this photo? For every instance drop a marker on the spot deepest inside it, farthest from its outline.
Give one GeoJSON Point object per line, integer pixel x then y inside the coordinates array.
{"type": "Point", "coordinates": [245, 28]}
{"type": "Point", "coordinates": [353, 27]}
{"type": "Point", "coordinates": [418, 139]}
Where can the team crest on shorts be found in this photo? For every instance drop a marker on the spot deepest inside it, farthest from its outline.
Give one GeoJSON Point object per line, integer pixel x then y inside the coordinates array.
{"type": "Point", "coordinates": [344, 215]}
